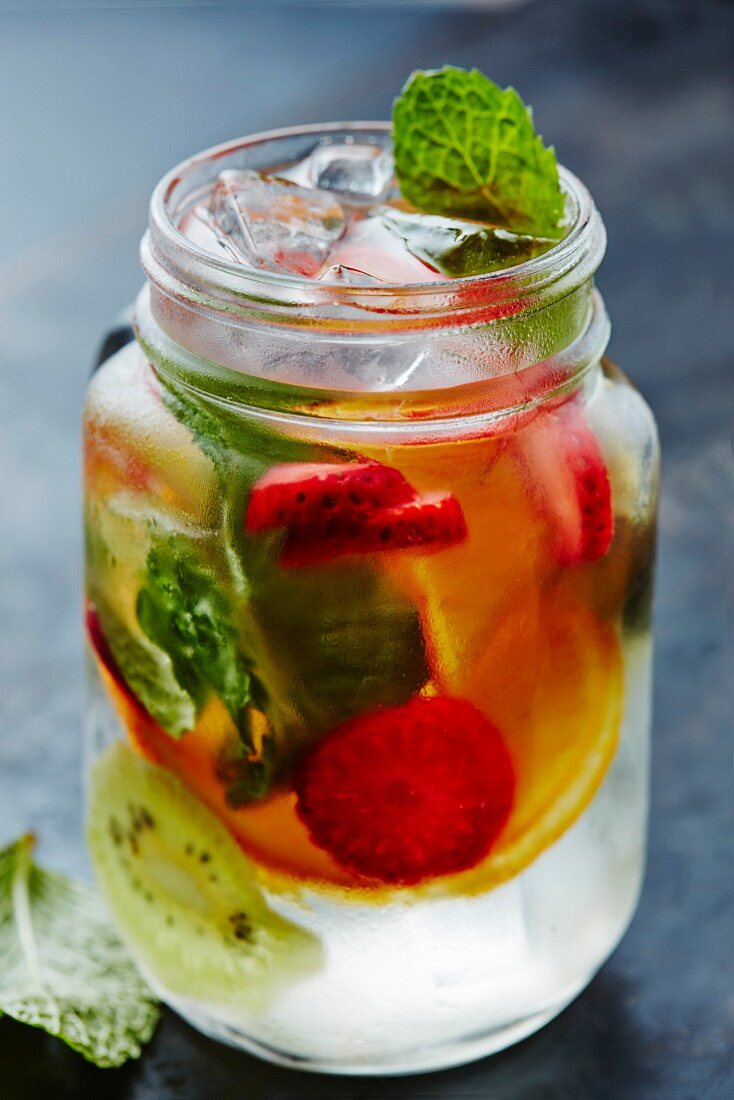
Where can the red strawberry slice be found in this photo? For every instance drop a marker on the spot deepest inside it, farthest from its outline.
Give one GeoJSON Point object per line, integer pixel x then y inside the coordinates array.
{"type": "Point", "coordinates": [431, 522]}
{"type": "Point", "coordinates": [409, 793]}
{"type": "Point", "coordinates": [299, 493]}
{"type": "Point", "coordinates": [568, 474]}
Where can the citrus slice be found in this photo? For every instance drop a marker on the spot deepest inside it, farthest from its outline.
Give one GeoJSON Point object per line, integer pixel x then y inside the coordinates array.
{"type": "Point", "coordinates": [459, 590]}
{"type": "Point", "coordinates": [551, 680]}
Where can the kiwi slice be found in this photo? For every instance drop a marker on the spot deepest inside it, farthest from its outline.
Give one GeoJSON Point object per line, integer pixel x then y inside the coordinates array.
{"type": "Point", "coordinates": [182, 891]}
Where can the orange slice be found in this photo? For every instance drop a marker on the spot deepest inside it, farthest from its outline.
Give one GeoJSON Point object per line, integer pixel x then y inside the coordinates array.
{"type": "Point", "coordinates": [551, 679]}
{"type": "Point", "coordinates": [460, 590]}
{"type": "Point", "coordinates": [133, 444]}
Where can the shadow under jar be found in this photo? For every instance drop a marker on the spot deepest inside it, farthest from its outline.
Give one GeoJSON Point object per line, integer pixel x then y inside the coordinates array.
{"type": "Point", "coordinates": [368, 594]}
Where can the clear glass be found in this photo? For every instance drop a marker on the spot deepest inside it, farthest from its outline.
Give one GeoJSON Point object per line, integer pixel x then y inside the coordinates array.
{"type": "Point", "coordinates": [368, 603]}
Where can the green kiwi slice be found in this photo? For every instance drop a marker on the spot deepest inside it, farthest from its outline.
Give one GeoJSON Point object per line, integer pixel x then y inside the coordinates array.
{"type": "Point", "coordinates": [182, 891]}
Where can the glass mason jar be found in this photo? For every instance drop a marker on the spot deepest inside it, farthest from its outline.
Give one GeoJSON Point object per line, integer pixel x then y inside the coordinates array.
{"type": "Point", "coordinates": [368, 601]}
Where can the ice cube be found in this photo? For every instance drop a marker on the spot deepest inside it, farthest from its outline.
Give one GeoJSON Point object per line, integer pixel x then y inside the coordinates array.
{"type": "Point", "coordinates": [275, 224]}
{"type": "Point", "coordinates": [348, 276]}
{"type": "Point", "coordinates": [359, 174]}
{"type": "Point", "coordinates": [371, 248]}
{"type": "Point", "coordinates": [199, 226]}
{"type": "Point", "coordinates": [460, 248]}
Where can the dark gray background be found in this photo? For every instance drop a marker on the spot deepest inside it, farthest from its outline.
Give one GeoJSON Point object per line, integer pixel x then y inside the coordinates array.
{"type": "Point", "coordinates": [638, 98]}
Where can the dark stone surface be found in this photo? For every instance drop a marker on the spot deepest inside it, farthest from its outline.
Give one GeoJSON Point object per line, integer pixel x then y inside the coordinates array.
{"type": "Point", "coordinates": [638, 99]}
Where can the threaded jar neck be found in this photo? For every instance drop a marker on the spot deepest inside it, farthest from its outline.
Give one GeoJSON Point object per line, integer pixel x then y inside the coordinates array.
{"type": "Point", "coordinates": [381, 351]}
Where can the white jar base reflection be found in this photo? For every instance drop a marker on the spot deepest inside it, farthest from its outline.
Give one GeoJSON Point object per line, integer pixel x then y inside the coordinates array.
{"type": "Point", "coordinates": [423, 1059]}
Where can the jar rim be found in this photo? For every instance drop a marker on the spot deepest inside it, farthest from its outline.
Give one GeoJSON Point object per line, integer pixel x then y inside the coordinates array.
{"type": "Point", "coordinates": [184, 270]}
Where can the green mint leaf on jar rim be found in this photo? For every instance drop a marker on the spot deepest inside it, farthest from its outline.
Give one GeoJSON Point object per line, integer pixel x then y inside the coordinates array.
{"type": "Point", "coordinates": [460, 248]}
{"type": "Point", "coordinates": [465, 147]}
{"type": "Point", "coordinates": [64, 968]}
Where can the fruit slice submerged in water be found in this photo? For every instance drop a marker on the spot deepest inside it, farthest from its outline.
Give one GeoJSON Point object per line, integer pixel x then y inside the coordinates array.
{"type": "Point", "coordinates": [409, 793]}
{"type": "Point", "coordinates": [427, 523]}
{"type": "Point", "coordinates": [133, 444]}
{"type": "Point", "coordinates": [460, 591]}
{"type": "Point", "coordinates": [331, 510]}
{"type": "Point", "coordinates": [569, 478]}
{"type": "Point", "coordinates": [182, 892]}
{"type": "Point", "coordinates": [551, 678]}
{"type": "Point", "coordinates": [308, 493]}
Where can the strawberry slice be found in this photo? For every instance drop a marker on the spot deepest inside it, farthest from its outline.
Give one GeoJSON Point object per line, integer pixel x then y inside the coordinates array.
{"type": "Point", "coordinates": [303, 494]}
{"type": "Point", "coordinates": [409, 793]}
{"type": "Point", "coordinates": [431, 522]}
{"type": "Point", "coordinates": [567, 473]}
{"type": "Point", "coordinates": [330, 510]}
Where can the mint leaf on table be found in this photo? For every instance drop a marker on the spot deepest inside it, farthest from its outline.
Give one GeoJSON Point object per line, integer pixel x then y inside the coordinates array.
{"type": "Point", "coordinates": [64, 968]}
{"type": "Point", "coordinates": [460, 248]}
{"type": "Point", "coordinates": [465, 147]}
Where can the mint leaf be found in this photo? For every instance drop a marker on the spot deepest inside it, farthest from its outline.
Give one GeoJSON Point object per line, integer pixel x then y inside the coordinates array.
{"type": "Point", "coordinates": [326, 644]}
{"type": "Point", "coordinates": [466, 147]}
{"type": "Point", "coordinates": [182, 609]}
{"type": "Point", "coordinates": [459, 248]}
{"type": "Point", "coordinates": [226, 436]}
{"type": "Point", "coordinates": [349, 640]}
{"type": "Point", "coordinates": [148, 672]}
{"type": "Point", "coordinates": [208, 431]}
{"type": "Point", "coordinates": [63, 967]}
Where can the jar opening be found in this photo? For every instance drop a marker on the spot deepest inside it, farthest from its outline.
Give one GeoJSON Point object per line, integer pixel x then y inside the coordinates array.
{"type": "Point", "coordinates": [422, 351]}
{"type": "Point", "coordinates": [185, 271]}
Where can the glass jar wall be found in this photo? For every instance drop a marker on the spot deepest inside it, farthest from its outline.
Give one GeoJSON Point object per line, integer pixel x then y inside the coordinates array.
{"type": "Point", "coordinates": [368, 602]}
